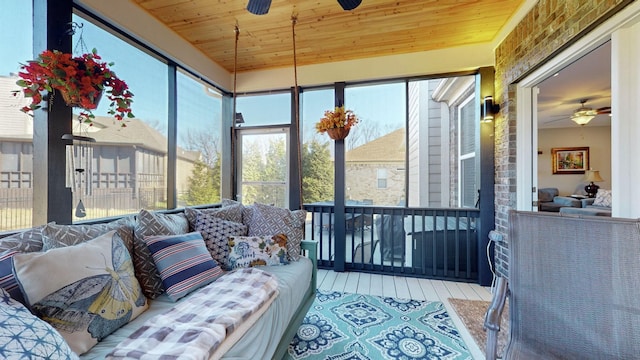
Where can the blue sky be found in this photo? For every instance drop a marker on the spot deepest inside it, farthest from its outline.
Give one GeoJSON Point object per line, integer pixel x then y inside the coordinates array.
{"type": "Point", "coordinates": [381, 105]}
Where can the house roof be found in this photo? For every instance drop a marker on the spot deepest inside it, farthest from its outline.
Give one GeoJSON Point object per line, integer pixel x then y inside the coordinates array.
{"type": "Point", "coordinates": [389, 148]}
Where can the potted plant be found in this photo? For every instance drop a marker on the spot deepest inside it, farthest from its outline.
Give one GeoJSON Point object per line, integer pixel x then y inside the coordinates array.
{"type": "Point", "coordinates": [337, 123]}
{"type": "Point", "coordinates": [80, 80]}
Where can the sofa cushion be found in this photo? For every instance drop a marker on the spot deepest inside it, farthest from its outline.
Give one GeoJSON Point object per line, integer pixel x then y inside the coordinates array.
{"type": "Point", "coordinates": [216, 233]}
{"type": "Point", "coordinates": [232, 212]}
{"type": "Point", "coordinates": [184, 262]}
{"type": "Point", "coordinates": [25, 241]}
{"type": "Point", "coordinates": [56, 236]}
{"type": "Point", "coordinates": [151, 223]}
{"type": "Point", "coordinates": [246, 251]}
{"type": "Point", "coordinates": [603, 198]}
{"type": "Point", "coordinates": [24, 336]}
{"type": "Point", "coordinates": [8, 280]}
{"type": "Point", "coordinates": [85, 291]}
{"type": "Point", "coordinates": [547, 194]}
{"type": "Point", "coordinates": [270, 220]}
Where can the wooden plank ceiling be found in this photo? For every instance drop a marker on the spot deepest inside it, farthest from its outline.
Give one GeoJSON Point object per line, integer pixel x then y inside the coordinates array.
{"type": "Point", "coordinates": [327, 33]}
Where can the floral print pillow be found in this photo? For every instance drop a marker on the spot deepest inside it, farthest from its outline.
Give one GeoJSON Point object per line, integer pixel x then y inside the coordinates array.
{"type": "Point", "coordinates": [247, 251]}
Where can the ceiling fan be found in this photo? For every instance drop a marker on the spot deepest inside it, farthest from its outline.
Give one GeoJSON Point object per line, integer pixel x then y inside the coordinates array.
{"type": "Point", "coordinates": [584, 114]}
{"type": "Point", "coordinates": [261, 7]}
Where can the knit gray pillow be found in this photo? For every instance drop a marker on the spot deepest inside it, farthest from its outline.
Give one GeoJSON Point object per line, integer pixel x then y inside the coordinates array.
{"type": "Point", "coordinates": [231, 212]}
{"type": "Point", "coordinates": [150, 223]}
{"type": "Point", "coordinates": [268, 220]}
{"type": "Point", "coordinates": [216, 233]}
{"type": "Point", "coordinates": [56, 236]}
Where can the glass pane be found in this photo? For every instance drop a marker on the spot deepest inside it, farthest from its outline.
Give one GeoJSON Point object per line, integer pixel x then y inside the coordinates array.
{"type": "Point", "coordinates": [141, 146]}
{"type": "Point", "coordinates": [271, 109]}
{"type": "Point", "coordinates": [378, 140]}
{"type": "Point", "coordinates": [317, 149]}
{"type": "Point", "coordinates": [264, 170]}
{"type": "Point", "coordinates": [438, 108]}
{"type": "Point", "coordinates": [467, 129]}
{"type": "Point", "coordinates": [16, 146]}
{"type": "Point", "coordinates": [199, 142]}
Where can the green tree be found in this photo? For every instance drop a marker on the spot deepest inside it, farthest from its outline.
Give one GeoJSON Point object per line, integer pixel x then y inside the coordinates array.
{"type": "Point", "coordinates": [203, 184]}
{"type": "Point", "coordinates": [317, 172]}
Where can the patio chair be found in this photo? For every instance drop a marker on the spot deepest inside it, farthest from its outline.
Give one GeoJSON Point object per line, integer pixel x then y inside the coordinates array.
{"type": "Point", "coordinates": [573, 288]}
{"type": "Point", "coordinates": [364, 252]}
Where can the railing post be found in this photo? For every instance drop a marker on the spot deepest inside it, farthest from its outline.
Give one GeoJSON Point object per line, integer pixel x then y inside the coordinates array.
{"type": "Point", "coordinates": [339, 193]}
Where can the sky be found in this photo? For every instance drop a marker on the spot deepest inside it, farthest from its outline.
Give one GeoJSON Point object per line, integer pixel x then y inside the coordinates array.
{"type": "Point", "coordinates": [381, 105]}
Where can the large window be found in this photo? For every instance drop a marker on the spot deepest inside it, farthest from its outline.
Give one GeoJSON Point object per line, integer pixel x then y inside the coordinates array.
{"type": "Point", "coordinates": [467, 153]}
{"type": "Point", "coordinates": [199, 142]}
{"type": "Point", "coordinates": [376, 143]}
{"type": "Point", "coordinates": [263, 150]}
{"type": "Point", "coordinates": [261, 110]}
{"type": "Point", "coordinates": [129, 167]}
{"type": "Point", "coordinates": [317, 149]}
{"type": "Point", "coordinates": [16, 134]}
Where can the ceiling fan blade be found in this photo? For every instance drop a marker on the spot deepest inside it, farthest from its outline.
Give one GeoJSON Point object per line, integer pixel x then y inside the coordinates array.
{"type": "Point", "coordinates": [259, 7]}
{"type": "Point", "coordinates": [349, 4]}
{"type": "Point", "coordinates": [604, 110]}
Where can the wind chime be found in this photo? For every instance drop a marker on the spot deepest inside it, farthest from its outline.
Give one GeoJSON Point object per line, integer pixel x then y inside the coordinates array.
{"type": "Point", "coordinates": [80, 152]}
{"type": "Point", "coordinates": [79, 164]}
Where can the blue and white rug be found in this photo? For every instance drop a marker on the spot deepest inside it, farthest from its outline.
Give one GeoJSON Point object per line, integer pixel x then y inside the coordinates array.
{"type": "Point", "coordinates": [342, 326]}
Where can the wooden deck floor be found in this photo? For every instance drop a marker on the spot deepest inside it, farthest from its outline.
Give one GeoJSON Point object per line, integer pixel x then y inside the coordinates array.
{"type": "Point", "coordinates": [409, 288]}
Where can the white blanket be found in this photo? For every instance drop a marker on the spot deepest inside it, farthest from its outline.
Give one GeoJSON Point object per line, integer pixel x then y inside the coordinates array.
{"type": "Point", "coordinates": [194, 328]}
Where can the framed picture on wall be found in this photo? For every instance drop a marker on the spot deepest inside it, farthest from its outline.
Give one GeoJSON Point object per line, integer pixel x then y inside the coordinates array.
{"type": "Point", "coordinates": [570, 160]}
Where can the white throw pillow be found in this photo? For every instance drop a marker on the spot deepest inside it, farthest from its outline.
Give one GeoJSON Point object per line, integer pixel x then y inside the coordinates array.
{"type": "Point", "coordinates": [85, 291]}
{"type": "Point", "coordinates": [603, 198]}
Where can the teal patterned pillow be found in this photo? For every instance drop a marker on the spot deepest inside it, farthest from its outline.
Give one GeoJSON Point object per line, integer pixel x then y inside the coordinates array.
{"type": "Point", "coordinates": [247, 251]}
{"type": "Point", "coordinates": [24, 336]}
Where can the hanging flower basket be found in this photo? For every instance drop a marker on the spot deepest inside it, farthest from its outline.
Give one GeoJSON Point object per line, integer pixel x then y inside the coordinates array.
{"type": "Point", "coordinates": [80, 80]}
{"type": "Point", "coordinates": [91, 101]}
{"type": "Point", "coordinates": [337, 123]}
{"type": "Point", "coordinates": [338, 133]}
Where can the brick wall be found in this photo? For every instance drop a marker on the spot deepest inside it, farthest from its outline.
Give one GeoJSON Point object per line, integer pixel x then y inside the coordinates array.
{"type": "Point", "coordinates": [547, 28]}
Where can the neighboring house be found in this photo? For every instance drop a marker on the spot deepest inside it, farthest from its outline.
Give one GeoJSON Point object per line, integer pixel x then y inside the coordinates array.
{"type": "Point", "coordinates": [128, 164]}
{"type": "Point", "coordinates": [375, 171]}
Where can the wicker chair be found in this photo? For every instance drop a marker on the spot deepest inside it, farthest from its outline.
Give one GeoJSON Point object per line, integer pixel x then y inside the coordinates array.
{"type": "Point", "coordinates": [573, 288]}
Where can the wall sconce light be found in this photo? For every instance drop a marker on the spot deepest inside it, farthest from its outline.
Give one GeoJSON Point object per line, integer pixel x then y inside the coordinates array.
{"type": "Point", "coordinates": [239, 119]}
{"type": "Point", "coordinates": [489, 109]}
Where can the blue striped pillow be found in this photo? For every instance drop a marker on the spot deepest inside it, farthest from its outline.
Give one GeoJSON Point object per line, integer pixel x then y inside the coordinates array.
{"type": "Point", "coordinates": [7, 277]}
{"type": "Point", "coordinates": [183, 261]}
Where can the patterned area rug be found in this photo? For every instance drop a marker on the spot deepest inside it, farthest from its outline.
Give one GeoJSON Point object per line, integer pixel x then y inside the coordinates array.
{"type": "Point", "coordinates": [342, 326]}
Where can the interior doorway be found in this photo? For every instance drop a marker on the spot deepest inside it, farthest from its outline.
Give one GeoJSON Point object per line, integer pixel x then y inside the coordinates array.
{"type": "Point", "coordinates": [573, 112]}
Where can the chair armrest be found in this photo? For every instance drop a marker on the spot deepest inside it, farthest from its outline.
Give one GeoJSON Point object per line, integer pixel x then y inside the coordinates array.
{"type": "Point", "coordinates": [588, 201]}
{"type": "Point", "coordinates": [567, 201]}
{"type": "Point", "coordinates": [311, 249]}
{"type": "Point", "coordinates": [493, 317]}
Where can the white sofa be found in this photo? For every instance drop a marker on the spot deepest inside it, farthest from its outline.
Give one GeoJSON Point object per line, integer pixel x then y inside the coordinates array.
{"type": "Point", "coordinates": [33, 255]}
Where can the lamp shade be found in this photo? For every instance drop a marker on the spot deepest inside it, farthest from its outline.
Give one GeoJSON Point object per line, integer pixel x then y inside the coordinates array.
{"type": "Point", "coordinates": [593, 176]}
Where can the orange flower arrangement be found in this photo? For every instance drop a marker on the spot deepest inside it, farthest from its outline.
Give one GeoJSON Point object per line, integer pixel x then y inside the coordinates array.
{"type": "Point", "coordinates": [81, 81]}
{"type": "Point", "coordinates": [338, 118]}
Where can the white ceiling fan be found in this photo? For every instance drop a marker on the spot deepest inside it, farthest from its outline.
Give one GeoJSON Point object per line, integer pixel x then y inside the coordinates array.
{"type": "Point", "coordinates": [584, 114]}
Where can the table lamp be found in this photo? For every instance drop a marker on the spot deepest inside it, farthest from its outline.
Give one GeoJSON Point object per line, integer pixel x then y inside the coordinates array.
{"type": "Point", "coordinates": [592, 176]}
